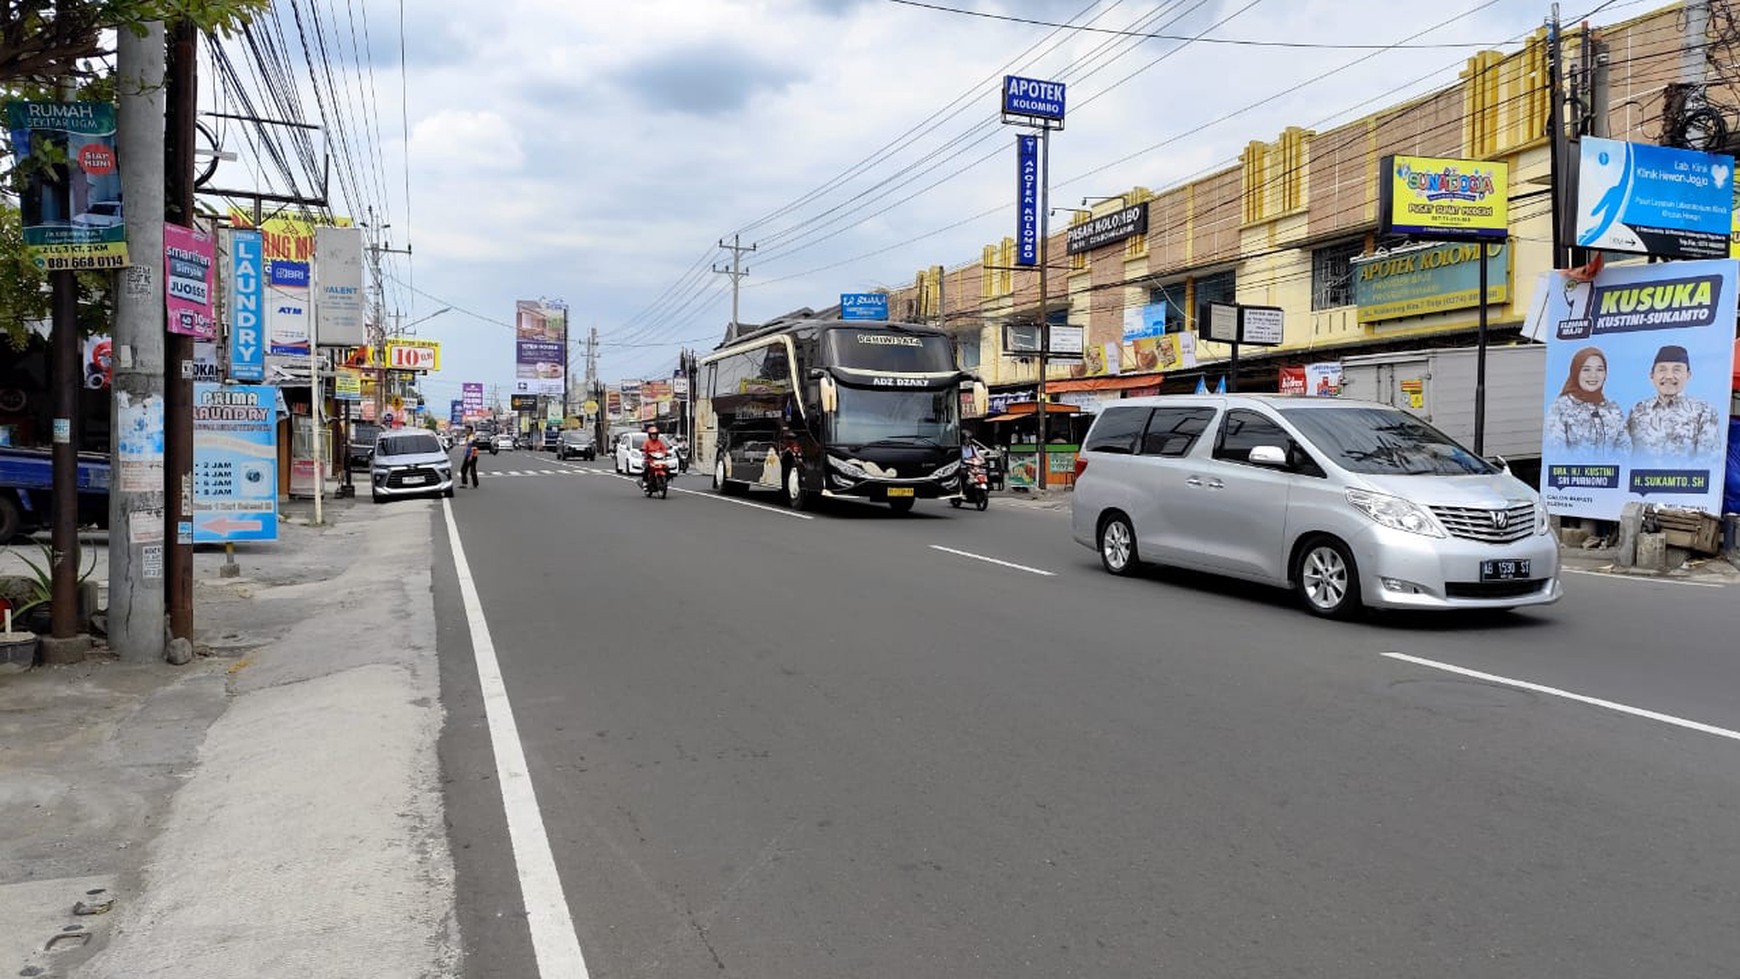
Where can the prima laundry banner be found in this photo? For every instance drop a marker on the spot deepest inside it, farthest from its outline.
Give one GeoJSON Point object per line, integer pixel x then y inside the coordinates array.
{"type": "Point", "coordinates": [1637, 380]}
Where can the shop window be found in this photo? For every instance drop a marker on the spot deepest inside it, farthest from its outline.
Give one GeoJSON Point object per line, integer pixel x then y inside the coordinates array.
{"type": "Point", "coordinates": [1221, 287]}
{"type": "Point", "coordinates": [1332, 274]}
{"type": "Point", "coordinates": [1170, 296]}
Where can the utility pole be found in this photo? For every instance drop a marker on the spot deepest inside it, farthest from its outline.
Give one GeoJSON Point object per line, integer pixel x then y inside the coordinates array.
{"type": "Point", "coordinates": [63, 644]}
{"type": "Point", "coordinates": [736, 272]}
{"type": "Point", "coordinates": [1559, 170]}
{"type": "Point", "coordinates": [183, 104]}
{"type": "Point", "coordinates": [378, 317]}
{"type": "Point", "coordinates": [136, 514]}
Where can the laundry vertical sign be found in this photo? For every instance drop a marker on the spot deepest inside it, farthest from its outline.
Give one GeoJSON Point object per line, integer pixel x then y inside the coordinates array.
{"type": "Point", "coordinates": [247, 297]}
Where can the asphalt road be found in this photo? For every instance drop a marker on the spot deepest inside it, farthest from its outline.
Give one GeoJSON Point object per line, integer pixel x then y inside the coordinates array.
{"type": "Point", "coordinates": [771, 745]}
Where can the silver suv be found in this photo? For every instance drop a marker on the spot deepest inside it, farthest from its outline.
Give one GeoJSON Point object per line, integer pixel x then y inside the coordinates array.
{"type": "Point", "coordinates": [1349, 503]}
{"type": "Point", "coordinates": [409, 462]}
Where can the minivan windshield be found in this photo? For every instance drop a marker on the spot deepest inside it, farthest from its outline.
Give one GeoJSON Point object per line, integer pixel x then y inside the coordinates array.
{"type": "Point", "coordinates": [408, 445]}
{"type": "Point", "coordinates": [1384, 442]}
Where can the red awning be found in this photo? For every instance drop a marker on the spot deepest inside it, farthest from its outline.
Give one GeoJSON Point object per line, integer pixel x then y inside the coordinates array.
{"type": "Point", "coordinates": [1121, 383]}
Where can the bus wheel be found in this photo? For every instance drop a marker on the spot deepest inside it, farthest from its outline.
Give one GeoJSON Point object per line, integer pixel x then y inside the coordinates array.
{"type": "Point", "coordinates": [721, 485]}
{"type": "Point", "coordinates": [796, 496]}
{"type": "Point", "coordinates": [901, 504]}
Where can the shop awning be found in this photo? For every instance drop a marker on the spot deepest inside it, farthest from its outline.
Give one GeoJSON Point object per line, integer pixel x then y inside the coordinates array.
{"type": "Point", "coordinates": [1121, 383]}
{"type": "Point", "coordinates": [1025, 409]}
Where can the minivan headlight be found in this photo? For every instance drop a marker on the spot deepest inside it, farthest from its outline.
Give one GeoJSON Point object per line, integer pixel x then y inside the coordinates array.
{"type": "Point", "coordinates": [1543, 519]}
{"type": "Point", "coordinates": [1395, 513]}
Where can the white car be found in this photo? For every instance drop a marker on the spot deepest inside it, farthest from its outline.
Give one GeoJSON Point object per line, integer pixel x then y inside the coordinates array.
{"type": "Point", "coordinates": [628, 456]}
{"type": "Point", "coordinates": [102, 214]}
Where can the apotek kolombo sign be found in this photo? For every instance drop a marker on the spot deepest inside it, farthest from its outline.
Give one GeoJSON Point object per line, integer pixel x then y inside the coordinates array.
{"type": "Point", "coordinates": [1442, 198]}
{"type": "Point", "coordinates": [1033, 98]}
{"type": "Point", "coordinates": [1027, 200]}
{"type": "Point", "coordinates": [1429, 279]}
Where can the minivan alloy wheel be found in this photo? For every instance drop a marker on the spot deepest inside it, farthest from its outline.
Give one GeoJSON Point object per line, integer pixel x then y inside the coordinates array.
{"type": "Point", "coordinates": [1327, 580]}
{"type": "Point", "coordinates": [1118, 545]}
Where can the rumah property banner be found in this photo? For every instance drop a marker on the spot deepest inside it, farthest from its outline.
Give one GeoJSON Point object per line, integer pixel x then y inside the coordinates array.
{"type": "Point", "coordinates": [70, 184]}
{"type": "Point", "coordinates": [540, 347]}
{"type": "Point", "coordinates": [1637, 387]}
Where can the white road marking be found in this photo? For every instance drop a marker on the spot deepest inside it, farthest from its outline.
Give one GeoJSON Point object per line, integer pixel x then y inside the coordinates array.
{"type": "Point", "coordinates": [992, 560]}
{"type": "Point", "coordinates": [551, 922]}
{"type": "Point", "coordinates": [731, 499]}
{"type": "Point", "coordinates": [1720, 732]}
{"type": "Point", "coordinates": [1628, 577]}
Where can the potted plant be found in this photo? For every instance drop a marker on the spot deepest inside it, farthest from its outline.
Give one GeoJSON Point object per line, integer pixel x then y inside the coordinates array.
{"type": "Point", "coordinates": [33, 610]}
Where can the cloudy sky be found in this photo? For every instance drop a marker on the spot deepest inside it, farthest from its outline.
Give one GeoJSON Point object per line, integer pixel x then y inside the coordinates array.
{"type": "Point", "coordinates": [596, 152]}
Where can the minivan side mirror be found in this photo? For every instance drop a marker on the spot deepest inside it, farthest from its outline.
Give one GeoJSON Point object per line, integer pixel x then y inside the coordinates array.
{"type": "Point", "coordinates": [1500, 461]}
{"type": "Point", "coordinates": [1268, 455]}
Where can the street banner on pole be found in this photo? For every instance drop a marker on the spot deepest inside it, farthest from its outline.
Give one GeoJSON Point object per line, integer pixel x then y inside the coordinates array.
{"type": "Point", "coordinates": [187, 262]}
{"type": "Point", "coordinates": [247, 299]}
{"type": "Point", "coordinates": [1637, 385]}
{"type": "Point", "coordinates": [235, 463]}
{"type": "Point", "coordinates": [540, 347]}
{"type": "Point", "coordinates": [70, 199]}
{"type": "Point", "coordinates": [338, 255]}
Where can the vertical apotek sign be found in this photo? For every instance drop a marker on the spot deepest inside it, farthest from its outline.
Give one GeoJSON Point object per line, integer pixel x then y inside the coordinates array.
{"type": "Point", "coordinates": [1027, 200]}
{"type": "Point", "coordinates": [247, 297]}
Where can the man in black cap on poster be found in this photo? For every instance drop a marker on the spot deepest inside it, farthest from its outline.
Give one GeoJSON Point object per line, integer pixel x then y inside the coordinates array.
{"type": "Point", "coordinates": [1673, 423]}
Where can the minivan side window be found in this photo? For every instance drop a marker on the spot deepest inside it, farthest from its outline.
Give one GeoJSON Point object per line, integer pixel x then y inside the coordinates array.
{"type": "Point", "coordinates": [1243, 431]}
{"type": "Point", "coordinates": [1174, 431]}
{"type": "Point", "coordinates": [1117, 430]}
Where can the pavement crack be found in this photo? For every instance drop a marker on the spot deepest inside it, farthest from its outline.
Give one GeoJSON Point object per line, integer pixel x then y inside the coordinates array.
{"type": "Point", "coordinates": [702, 934]}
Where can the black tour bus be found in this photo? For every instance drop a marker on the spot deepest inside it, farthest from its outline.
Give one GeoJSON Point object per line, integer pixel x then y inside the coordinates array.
{"type": "Point", "coordinates": [817, 407]}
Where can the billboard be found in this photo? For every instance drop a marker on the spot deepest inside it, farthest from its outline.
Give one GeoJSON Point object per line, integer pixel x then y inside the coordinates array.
{"type": "Point", "coordinates": [1637, 386]}
{"type": "Point", "coordinates": [287, 309]}
{"type": "Point", "coordinates": [1033, 98]}
{"type": "Point", "coordinates": [540, 347]}
{"type": "Point", "coordinates": [187, 260]}
{"type": "Point", "coordinates": [1655, 200]}
{"type": "Point", "coordinates": [413, 355]}
{"type": "Point", "coordinates": [69, 183]}
{"type": "Point", "coordinates": [1434, 197]}
{"type": "Point", "coordinates": [471, 396]}
{"type": "Point", "coordinates": [863, 305]}
{"type": "Point", "coordinates": [235, 463]}
{"type": "Point", "coordinates": [338, 300]}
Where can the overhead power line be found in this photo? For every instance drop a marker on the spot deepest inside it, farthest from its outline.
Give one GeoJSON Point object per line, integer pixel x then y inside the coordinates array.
{"type": "Point", "coordinates": [1239, 41]}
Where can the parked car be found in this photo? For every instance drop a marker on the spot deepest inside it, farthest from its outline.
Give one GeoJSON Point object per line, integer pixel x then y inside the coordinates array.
{"type": "Point", "coordinates": [577, 443]}
{"type": "Point", "coordinates": [362, 446]}
{"type": "Point", "coordinates": [409, 462]}
{"type": "Point", "coordinates": [102, 214]}
{"type": "Point", "coordinates": [1349, 503]}
{"type": "Point", "coordinates": [628, 456]}
{"type": "Point", "coordinates": [552, 439]}
{"type": "Point", "coordinates": [502, 441]}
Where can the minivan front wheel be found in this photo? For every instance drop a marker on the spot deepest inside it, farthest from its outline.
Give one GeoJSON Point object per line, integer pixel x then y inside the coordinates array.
{"type": "Point", "coordinates": [1118, 545]}
{"type": "Point", "coordinates": [1327, 579]}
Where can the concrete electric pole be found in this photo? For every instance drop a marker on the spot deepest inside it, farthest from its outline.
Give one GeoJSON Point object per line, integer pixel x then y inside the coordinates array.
{"type": "Point", "coordinates": [136, 513]}
{"type": "Point", "coordinates": [736, 272]}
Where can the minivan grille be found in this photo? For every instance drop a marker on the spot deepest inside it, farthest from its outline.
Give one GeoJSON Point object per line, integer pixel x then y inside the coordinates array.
{"type": "Point", "coordinates": [1488, 526]}
{"type": "Point", "coordinates": [423, 474]}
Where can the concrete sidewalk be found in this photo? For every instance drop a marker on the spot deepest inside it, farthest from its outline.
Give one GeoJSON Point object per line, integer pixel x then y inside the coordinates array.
{"type": "Point", "coordinates": [271, 809]}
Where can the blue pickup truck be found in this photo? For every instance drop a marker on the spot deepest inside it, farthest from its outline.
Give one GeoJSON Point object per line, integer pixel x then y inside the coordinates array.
{"type": "Point", "coordinates": [27, 479]}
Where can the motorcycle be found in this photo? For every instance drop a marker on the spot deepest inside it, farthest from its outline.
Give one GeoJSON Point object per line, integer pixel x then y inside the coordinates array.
{"type": "Point", "coordinates": [655, 474]}
{"type": "Point", "coordinates": [975, 488]}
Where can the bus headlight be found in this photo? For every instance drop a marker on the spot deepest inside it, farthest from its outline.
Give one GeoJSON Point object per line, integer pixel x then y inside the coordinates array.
{"type": "Point", "coordinates": [849, 469]}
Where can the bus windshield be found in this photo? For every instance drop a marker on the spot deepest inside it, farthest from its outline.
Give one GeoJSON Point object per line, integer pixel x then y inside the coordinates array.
{"type": "Point", "coordinates": [878, 349]}
{"type": "Point", "coordinates": [925, 418]}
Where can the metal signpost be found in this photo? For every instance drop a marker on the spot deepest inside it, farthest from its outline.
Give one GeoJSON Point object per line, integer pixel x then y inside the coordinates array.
{"type": "Point", "coordinates": [1231, 323]}
{"type": "Point", "coordinates": [1039, 105]}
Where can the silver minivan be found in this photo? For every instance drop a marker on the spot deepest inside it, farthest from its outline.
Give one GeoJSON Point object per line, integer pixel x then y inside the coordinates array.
{"type": "Point", "coordinates": [1349, 503]}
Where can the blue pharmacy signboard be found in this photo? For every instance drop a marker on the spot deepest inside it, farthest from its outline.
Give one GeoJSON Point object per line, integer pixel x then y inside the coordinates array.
{"type": "Point", "coordinates": [1027, 200]}
{"type": "Point", "coordinates": [1637, 378]}
{"type": "Point", "coordinates": [863, 306]}
{"type": "Point", "coordinates": [1033, 98]}
{"type": "Point", "coordinates": [235, 463]}
{"type": "Point", "coordinates": [247, 308]}
{"type": "Point", "coordinates": [1654, 200]}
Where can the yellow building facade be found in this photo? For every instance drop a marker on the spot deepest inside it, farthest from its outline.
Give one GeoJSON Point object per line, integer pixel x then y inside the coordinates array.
{"type": "Point", "coordinates": [1284, 226]}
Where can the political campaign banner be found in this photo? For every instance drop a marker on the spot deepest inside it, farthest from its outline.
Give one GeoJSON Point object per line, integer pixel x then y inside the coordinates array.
{"type": "Point", "coordinates": [235, 463]}
{"type": "Point", "coordinates": [69, 184]}
{"type": "Point", "coordinates": [540, 347]}
{"type": "Point", "coordinates": [1637, 380]}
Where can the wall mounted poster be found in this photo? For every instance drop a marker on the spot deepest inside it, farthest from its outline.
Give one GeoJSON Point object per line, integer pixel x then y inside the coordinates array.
{"type": "Point", "coordinates": [1637, 383]}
